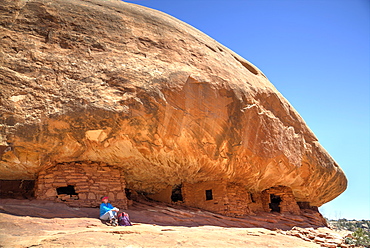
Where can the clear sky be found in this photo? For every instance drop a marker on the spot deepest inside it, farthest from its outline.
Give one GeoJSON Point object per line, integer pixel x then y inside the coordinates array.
{"type": "Point", "coordinates": [316, 53]}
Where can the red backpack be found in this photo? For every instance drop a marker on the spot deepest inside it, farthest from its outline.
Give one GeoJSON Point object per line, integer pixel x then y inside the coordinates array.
{"type": "Point", "coordinates": [124, 219]}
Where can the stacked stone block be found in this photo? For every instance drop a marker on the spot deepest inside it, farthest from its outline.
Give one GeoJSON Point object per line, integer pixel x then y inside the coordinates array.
{"type": "Point", "coordinates": [234, 200]}
{"type": "Point", "coordinates": [91, 181]}
{"type": "Point", "coordinates": [238, 200]}
{"type": "Point", "coordinates": [228, 199]}
{"type": "Point", "coordinates": [288, 203]}
{"type": "Point", "coordinates": [195, 196]}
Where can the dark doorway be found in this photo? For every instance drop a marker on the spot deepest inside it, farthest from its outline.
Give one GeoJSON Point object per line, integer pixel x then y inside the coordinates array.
{"type": "Point", "coordinates": [69, 190]}
{"type": "Point", "coordinates": [176, 193]}
{"type": "Point", "coordinates": [209, 195]}
{"type": "Point", "coordinates": [275, 203]}
{"type": "Point", "coordinates": [128, 194]}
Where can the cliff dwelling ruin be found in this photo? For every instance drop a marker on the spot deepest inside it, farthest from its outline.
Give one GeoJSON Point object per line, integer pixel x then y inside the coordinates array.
{"type": "Point", "coordinates": [135, 102]}
{"type": "Point", "coordinates": [83, 183]}
{"type": "Point", "coordinates": [231, 199]}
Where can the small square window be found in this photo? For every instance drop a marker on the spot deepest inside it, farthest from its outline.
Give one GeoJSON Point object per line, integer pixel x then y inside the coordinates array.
{"type": "Point", "coordinates": [209, 195]}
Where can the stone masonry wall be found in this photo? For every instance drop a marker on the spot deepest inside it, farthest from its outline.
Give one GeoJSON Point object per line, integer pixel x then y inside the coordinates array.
{"type": "Point", "coordinates": [234, 200]}
{"type": "Point", "coordinates": [288, 202]}
{"type": "Point", "coordinates": [195, 196]}
{"type": "Point", "coordinates": [227, 199]}
{"type": "Point", "coordinates": [256, 202]}
{"type": "Point", "coordinates": [238, 200]}
{"type": "Point", "coordinates": [91, 181]}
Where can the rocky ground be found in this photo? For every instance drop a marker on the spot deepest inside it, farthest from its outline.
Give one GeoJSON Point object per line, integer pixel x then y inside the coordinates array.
{"type": "Point", "coordinates": [25, 223]}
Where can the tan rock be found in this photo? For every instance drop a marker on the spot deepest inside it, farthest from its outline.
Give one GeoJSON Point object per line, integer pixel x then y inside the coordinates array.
{"type": "Point", "coordinates": [91, 196]}
{"type": "Point", "coordinates": [319, 240]}
{"type": "Point", "coordinates": [140, 90]}
{"type": "Point", "coordinates": [82, 196]}
{"type": "Point", "coordinates": [50, 193]}
{"type": "Point", "coordinates": [59, 184]}
{"type": "Point", "coordinates": [96, 135]}
{"type": "Point", "coordinates": [111, 196]}
{"type": "Point", "coordinates": [329, 245]}
{"type": "Point", "coordinates": [121, 196]}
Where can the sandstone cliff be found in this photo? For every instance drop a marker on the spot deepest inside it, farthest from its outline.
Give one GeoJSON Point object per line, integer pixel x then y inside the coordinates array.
{"type": "Point", "coordinates": [137, 89]}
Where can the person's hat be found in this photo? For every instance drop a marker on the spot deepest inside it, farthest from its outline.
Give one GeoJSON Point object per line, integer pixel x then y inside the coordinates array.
{"type": "Point", "coordinates": [104, 197]}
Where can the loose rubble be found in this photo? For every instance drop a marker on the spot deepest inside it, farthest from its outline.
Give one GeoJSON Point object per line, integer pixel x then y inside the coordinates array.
{"type": "Point", "coordinates": [322, 236]}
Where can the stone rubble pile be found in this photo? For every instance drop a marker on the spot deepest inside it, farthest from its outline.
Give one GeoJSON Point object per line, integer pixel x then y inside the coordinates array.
{"type": "Point", "coordinates": [322, 236]}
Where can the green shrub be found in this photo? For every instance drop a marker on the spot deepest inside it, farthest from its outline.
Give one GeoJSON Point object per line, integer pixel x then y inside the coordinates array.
{"type": "Point", "coordinates": [362, 237]}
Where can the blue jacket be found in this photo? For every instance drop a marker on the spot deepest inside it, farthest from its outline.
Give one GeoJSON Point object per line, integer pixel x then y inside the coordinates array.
{"type": "Point", "coordinates": [105, 208]}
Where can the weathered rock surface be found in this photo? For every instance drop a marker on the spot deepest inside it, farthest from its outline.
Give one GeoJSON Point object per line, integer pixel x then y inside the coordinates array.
{"type": "Point", "coordinates": [25, 223]}
{"type": "Point", "coordinates": [140, 90]}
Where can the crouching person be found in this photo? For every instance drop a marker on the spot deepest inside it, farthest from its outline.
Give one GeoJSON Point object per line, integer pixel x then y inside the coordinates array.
{"type": "Point", "coordinates": [108, 212]}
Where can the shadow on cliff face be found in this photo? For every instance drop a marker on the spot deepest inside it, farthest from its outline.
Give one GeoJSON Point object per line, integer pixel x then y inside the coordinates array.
{"type": "Point", "coordinates": [17, 189]}
{"type": "Point", "coordinates": [157, 213]}
{"type": "Point", "coordinates": [44, 209]}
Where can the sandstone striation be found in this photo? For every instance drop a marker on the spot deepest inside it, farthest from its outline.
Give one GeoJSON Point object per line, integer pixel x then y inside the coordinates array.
{"type": "Point", "coordinates": [35, 223]}
{"type": "Point", "coordinates": [112, 83]}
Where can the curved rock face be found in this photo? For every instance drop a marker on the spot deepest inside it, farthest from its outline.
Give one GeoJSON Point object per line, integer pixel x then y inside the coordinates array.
{"type": "Point", "coordinates": [137, 89]}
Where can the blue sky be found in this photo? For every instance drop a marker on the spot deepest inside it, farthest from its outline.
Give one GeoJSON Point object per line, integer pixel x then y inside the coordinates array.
{"type": "Point", "coordinates": [317, 54]}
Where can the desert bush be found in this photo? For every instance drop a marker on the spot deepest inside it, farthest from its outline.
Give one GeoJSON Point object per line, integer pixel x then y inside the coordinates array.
{"type": "Point", "coordinates": [360, 238]}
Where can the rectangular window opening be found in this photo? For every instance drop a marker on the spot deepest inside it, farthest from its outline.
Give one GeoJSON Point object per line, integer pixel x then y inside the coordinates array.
{"type": "Point", "coordinates": [209, 195]}
{"type": "Point", "coordinates": [69, 190]}
{"type": "Point", "coordinates": [252, 198]}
